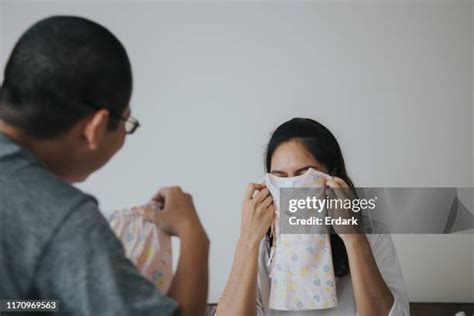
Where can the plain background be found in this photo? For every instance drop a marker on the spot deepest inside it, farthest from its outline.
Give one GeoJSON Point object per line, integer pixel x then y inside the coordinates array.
{"type": "Point", "coordinates": [391, 79]}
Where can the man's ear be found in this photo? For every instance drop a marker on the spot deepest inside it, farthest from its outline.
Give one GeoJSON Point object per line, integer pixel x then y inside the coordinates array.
{"type": "Point", "coordinates": [95, 128]}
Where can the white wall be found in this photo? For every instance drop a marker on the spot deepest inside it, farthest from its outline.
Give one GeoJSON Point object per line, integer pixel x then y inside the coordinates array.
{"type": "Point", "coordinates": [392, 80]}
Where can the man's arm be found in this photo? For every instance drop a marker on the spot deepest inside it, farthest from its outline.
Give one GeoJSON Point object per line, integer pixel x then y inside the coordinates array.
{"type": "Point", "coordinates": [190, 283]}
{"type": "Point", "coordinates": [178, 217]}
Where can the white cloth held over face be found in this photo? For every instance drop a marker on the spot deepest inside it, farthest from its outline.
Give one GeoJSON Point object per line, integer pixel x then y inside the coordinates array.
{"type": "Point", "coordinates": [301, 268]}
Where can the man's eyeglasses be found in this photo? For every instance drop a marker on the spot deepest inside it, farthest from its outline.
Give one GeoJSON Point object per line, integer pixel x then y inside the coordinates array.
{"type": "Point", "coordinates": [131, 123]}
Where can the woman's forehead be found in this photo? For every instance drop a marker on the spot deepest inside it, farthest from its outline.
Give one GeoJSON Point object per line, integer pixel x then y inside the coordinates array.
{"type": "Point", "coordinates": [292, 152]}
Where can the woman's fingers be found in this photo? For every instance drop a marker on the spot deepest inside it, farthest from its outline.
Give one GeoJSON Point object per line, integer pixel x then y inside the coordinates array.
{"type": "Point", "coordinates": [332, 183]}
{"type": "Point", "coordinates": [251, 188]}
{"type": "Point", "coordinates": [267, 201]}
{"type": "Point", "coordinates": [262, 195]}
{"type": "Point", "coordinates": [272, 209]}
{"type": "Point", "coordinates": [339, 182]}
{"type": "Point", "coordinates": [338, 188]}
{"type": "Point", "coordinates": [330, 193]}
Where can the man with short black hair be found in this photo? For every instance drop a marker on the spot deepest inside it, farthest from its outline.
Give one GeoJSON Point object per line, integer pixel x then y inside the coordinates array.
{"type": "Point", "coordinates": [64, 111]}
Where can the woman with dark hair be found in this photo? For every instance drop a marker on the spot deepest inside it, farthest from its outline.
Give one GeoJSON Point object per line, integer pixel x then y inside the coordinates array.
{"type": "Point", "coordinates": [368, 279]}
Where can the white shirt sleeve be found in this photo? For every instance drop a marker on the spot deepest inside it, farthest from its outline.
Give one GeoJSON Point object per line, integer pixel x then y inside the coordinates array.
{"type": "Point", "coordinates": [263, 279]}
{"type": "Point", "coordinates": [389, 267]}
{"type": "Point", "coordinates": [260, 310]}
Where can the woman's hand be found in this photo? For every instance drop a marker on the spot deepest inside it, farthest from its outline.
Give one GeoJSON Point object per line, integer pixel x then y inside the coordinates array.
{"type": "Point", "coordinates": [340, 190]}
{"type": "Point", "coordinates": [240, 294]}
{"type": "Point", "coordinates": [257, 213]}
{"type": "Point", "coordinates": [372, 295]}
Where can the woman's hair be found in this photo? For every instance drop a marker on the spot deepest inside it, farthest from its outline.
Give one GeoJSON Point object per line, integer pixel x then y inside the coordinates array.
{"type": "Point", "coordinates": [323, 146]}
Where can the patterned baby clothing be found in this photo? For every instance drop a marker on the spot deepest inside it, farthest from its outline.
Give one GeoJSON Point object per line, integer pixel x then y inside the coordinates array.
{"type": "Point", "coordinates": [148, 247]}
{"type": "Point", "coordinates": [301, 268]}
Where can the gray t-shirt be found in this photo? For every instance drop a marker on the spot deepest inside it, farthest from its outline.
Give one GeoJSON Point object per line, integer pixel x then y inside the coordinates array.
{"type": "Point", "coordinates": [55, 244]}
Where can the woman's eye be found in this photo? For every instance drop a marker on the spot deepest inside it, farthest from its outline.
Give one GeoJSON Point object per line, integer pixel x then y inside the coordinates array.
{"type": "Point", "coordinates": [301, 172]}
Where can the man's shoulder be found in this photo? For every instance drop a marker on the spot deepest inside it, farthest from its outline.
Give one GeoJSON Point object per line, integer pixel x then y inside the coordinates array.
{"type": "Point", "coordinates": [38, 201]}
{"type": "Point", "coordinates": [32, 186]}
{"type": "Point", "coordinates": [34, 198]}
{"type": "Point", "coordinates": [34, 205]}
{"type": "Point", "coordinates": [26, 183]}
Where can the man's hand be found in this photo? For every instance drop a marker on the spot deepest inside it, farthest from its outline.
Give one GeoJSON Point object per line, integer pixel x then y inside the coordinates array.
{"type": "Point", "coordinates": [178, 217]}
{"type": "Point", "coordinates": [178, 214]}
